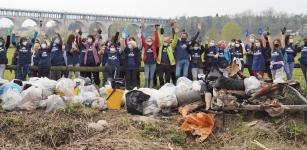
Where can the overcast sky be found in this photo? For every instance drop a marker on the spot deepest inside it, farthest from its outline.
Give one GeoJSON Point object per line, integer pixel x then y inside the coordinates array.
{"type": "Point", "coordinates": [155, 8]}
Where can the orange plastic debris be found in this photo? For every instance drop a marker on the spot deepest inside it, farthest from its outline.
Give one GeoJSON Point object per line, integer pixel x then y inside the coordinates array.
{"type": "Point", "coordinates": [184, 110]}
{"type": "Point", "coordinates": [198, 124]}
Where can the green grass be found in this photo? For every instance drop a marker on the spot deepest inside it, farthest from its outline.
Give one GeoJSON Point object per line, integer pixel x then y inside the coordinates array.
{"type": "Point", "coordinates": [297, 72]}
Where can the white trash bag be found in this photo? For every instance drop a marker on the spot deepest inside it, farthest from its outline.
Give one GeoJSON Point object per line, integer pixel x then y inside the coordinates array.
{"type": "Point", "coordinates": [170, 88]}
{"type": "Point", "coordinates": [150, 107]}
{"type": "Point", "coordinates": [252, 85]}
{"type": "Point", "coordinates": [184, 85]}
{"type": "Point", "coordinates": [30, 98]}
{"type": "Point", "coordinates": [280, 74]}
{"type": "Point", "coordinates": [10, 99]}
{"type": "Point", "coordinates": [66, 86]}
{"type": "Point", "coordinates": [54, 102]}
{"type": "Point", "coordinates": [100, 104]}
{"type": "Point", "coordinates": [167, 101]}
{"type": "Point", "coordinates": [196, 86]}
{"type": "Point", "coordinates": [103, 92]}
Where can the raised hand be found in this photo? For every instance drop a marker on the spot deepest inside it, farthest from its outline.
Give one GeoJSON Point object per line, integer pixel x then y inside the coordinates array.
{"type": "Point", "coordinates": [199, 26]}
{"type": "Point", "coordinates": [95, 29]}
{"type": "Point", "coordinates": [177, 30]}
{"type": "Point", "coordinates": [268, 30]}
{"type": "Point", "coordinates": [283, 30]}
{"type": "Point", "coordinates": [141, 28]}
{"type": "Point", "coordinates": [139, 35]}
{"type": "Point", "coordinates": [246, 33]}
{"type": "Point", "coordinates": [99, 31]}
{"type": "Point", "coordinates": [161, 31]}
{"type": "Point", "coordinates": [118, 28]}
{"type": "Point", "coordinates": [14, 31]}
{"type": "Point", "coordinates": [123, 35]}
{"type": "Point", "coordinates": [260, 31]}
{"type": "Point", "coordinates": [121, 40]}
{"type": "Point", "coordinates": [77, 30]}
{"type": "Point", "coordinates": [56, 30]}
{"type": "Point", "coordinates": [35, 29]}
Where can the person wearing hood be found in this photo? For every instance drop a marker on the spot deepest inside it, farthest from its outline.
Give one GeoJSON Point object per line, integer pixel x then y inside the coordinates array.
{"type": "Point", "coordinates": [196, 63]}
{"type": "Point", "coordinates": [286, 43]}
{"type": "Point", "coordinates": [56, 55]}
{"type": "Point", "coordinates": [91, 58]}
{"type": "Point", "coordinates": [44, 63]}
{"type": "Point", "coordinates": [303, 58]}
{"type": "Point", "coordinates": [149, 57]}
{"type": "Point", "coordinates": [3, 52]}
{"type": "Point", "coordinates": [35, 60]}
{"type": "Point", "coordinates": [182, 56]}
{"type": "Point", "coordinates": [24, 54]}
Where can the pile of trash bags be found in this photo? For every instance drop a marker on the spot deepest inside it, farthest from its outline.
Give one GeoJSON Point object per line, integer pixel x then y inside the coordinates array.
{"type": "Point", "coordinates": [43, 93]}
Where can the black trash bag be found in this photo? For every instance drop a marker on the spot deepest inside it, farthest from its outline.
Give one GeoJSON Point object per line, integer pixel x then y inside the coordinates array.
{"type": "Point", "coordinates": [27, 85]}
{"type": "Point", "coordinates": [118, 83]}
{"type": "Point", "coordinates": [17, 81]}
{"type": "Point", "coordinates": [229, 84]}
{"type": "Point", "coordinates": [211, 78]}
{"type": "Point", "coordinates": [134, 100]}
{"type": "Point", "coordinates": [203, 87]}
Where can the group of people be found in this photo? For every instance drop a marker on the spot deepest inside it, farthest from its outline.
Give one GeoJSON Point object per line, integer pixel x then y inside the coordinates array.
{"type": "Point", "coordinates": [165, 57]}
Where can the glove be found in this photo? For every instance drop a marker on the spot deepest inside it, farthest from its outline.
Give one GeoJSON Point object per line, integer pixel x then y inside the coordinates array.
{"type": "Point", "coordinates": [99, 31]}
{"type": "Point", "coordinates": [9, 31]}
{"type": "Point", "coordinates": [297, 42]}
{"type": "Point", "coordinates": [80, 32]}
{"type": "Point", "coordinates": [283, 30]}
{"type": "Point", "coordinates": [161, 31]}
{"type": "Point", "coordinates": [144, 35]}
{"type": "Point", "coordinates": [242, 44]}
{"type": "Point", "coordinates": [268, 30]}
{"type": "Point", "coordinates": [53, 39]}
{"type": "Point", "coordinates": [260, 31]}
{"type": "Point", "coordinates": [246, 33]}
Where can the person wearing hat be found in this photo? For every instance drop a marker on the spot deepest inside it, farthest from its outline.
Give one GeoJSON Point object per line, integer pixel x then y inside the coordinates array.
{"type": "Point", "coordinates": [3, 52]}
{"type": "Point", "coordinates": [56, 55]}
{"type": "Point", "coordinates": [24, 54]}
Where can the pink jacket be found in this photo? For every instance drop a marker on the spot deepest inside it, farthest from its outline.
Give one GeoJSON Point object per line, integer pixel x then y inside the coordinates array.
{"type": "Point", "coordinates": [276, 63]}
{"type": "Point", "coordinates": [94, 52]}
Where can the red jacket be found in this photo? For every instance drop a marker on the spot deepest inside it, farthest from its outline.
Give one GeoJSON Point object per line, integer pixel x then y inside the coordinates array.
{"type": "Point", "coordinates": [153, 47]}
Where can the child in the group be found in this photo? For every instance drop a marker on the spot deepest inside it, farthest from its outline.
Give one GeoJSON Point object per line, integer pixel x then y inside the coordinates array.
{"type": "Point", "coordinates": [24, 54]}
{"type": "Point", "coordinates": [3, 52]}
{"type": "Point", "coordinates": [196, 62]}
{"type": "Point", "coordinates": [44, 63]}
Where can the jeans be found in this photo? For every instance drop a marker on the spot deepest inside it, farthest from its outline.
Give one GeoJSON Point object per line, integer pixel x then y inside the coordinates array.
{"type": "Point", "coordinates": [56, 75]}
{"type": "Point", "coordinates": [2, 70]}
{"type": "Point", "coordinates": [149, 70]}
{"type": "Point", "coordinates": [289, 70]}
{"type": "Point", "coordinates": [22, 71]}
{"type": "Point", "coordinates": [131, 78]}
{"type": "Point", "coordinates": [44, 72]}
{"type": "Point", "coordinates": [77, 73]}
{"type": "Point", "coordinates": [195, 72]}
{"type": "Point", "coordinates": [182, 65]}
{"type": "Point", "coordinates": [304, 70]}
{"type": "Point", "coordinates": [167, 69]}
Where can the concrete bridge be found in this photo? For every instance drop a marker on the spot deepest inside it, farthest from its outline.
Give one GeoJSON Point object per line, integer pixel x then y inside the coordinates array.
{"type": "Point", "coordinates": [64, 19]}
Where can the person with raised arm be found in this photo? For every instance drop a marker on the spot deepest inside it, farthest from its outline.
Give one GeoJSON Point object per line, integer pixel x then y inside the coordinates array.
{"type": "Point", "coordinates": [149, 57]}
{"type": "Point", "coordinates": [4, 46]}
{"type": "Point", "coordinates": [182, 56]}
{"type": "Point", "coordinates": [286, 43]}
{"type": "Point", "coordinates": [24, 54]}
{"type": "Point", "coordinates": [56, 55]}
{"type": "Point", "coordinates": [303, 58]}
{"type": "Point", "coordinates": [165, 57]}
{"type": "Point", "coordinates": [91, 58]}
{"type": "Point", "coordinates": [72, 54]}
{"type": "Point", "coordinates": [258, 66]}
{"type": "Point", "coordinates": [249, 53]}
{"type": "Point", "coordinates": [277, 55]}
